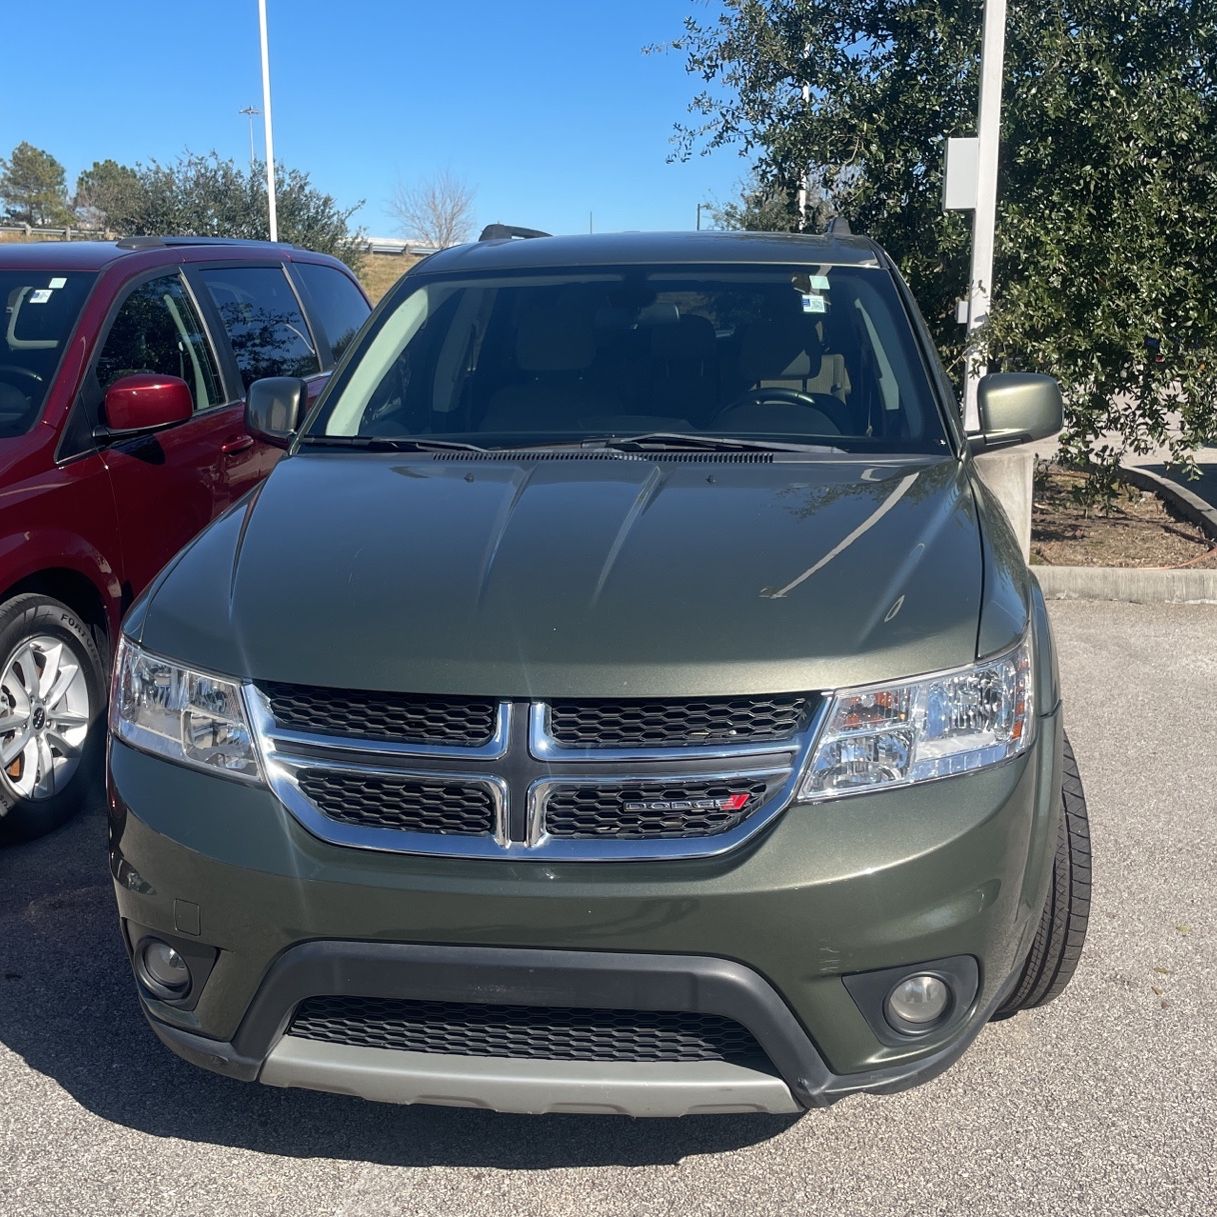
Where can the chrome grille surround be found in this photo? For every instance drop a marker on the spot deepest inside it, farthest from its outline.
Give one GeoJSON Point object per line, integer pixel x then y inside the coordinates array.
{"type": "Point", "coordinates": [522, 769]}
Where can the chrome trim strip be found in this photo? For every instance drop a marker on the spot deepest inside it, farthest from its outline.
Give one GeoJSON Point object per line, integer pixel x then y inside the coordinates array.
{"type": "Point", "coordinates": [615, 849]}
{"type": "Point", "coordinates": [283, 774]}
{"type": "Point", "coordinates": [495, 749]}
{"type": "Point", "coordinates": [544, 747]}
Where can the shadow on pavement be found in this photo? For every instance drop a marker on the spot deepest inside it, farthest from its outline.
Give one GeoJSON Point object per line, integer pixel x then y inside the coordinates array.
{"type": "Point", "coordinates": [68, 1009]}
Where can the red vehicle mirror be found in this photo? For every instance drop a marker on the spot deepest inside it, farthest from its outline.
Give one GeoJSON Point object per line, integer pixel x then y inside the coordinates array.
{"type": "Point", "coordinates": [146, 401]}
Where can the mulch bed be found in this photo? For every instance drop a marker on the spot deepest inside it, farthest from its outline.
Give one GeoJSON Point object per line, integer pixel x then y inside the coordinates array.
{"type": "Point", "coordinates": [1138, 530]}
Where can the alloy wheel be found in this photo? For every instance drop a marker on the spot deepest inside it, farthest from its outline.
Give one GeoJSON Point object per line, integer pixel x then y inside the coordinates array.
{"type": "Point", "coordinates": [44, 717]}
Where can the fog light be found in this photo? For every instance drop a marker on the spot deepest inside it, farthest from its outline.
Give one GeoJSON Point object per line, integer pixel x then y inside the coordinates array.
{"type": "Point", "coordinates": [163, 971]}
{"type": "Point", "coordinates": [917, 1002]}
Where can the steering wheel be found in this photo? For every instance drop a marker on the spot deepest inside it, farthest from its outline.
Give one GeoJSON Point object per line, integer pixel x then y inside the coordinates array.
{"type": "Point", "coordinates": [830, 407]}
{"type": "Point", "coordinates": [12, 373]}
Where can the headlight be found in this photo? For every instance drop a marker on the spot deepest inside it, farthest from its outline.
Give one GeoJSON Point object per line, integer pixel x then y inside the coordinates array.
{"type": "Point", "coordinates": [190, 717]}
{"type": "Point", "coordinates": [897, 734]}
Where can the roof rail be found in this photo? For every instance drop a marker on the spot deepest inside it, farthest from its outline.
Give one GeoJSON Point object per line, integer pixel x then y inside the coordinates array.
{"type": "Point", "coordinates": [499, 232]}
{"type": "Point", "coordinates": [165, 242]}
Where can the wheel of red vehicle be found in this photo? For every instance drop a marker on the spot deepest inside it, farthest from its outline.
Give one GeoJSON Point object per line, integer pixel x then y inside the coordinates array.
{"type": "Point", "coordinates": [52, 702]}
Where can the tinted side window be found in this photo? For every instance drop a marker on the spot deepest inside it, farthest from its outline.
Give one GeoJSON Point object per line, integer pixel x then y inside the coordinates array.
{"type": "Point", "coordinates": [158, 330]}
{"type": "Point", "coordinates": [337, 304]}
{"type": "Point", "coordinates": [269, 334]}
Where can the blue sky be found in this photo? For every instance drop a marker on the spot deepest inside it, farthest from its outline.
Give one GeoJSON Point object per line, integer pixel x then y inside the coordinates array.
{"type": "Point", "coordinates": [550, 109]}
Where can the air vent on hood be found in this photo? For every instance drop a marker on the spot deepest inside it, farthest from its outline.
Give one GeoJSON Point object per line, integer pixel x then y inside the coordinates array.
{"type": "Point", "coordinates": [602, 454]}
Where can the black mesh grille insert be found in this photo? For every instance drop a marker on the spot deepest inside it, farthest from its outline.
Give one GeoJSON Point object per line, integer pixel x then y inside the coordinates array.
{"type": "Point", "coordinates": [533, 1032]}
{"type": "Point", "coordinates": [406, 718]}
{"type": "Point", "coordinates": [656, 810]}
{"type": "Point", "coordinates": [407, 804]}
{"type": "Point", "coordinates": [670, 724]}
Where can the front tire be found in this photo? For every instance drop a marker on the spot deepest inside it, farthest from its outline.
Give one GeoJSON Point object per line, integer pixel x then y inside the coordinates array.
{"type": "Point", "coordinates": [1054, 954]}
{"type": "Point", "coordinates": [52, 702]}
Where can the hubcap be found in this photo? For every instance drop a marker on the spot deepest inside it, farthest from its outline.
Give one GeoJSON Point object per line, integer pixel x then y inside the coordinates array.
{"type": "Point", "coordinates": [44, 717]}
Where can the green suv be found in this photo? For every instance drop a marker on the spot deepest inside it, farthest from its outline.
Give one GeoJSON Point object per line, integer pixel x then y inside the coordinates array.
{"type": "Point", "coordinates": [625, 697]}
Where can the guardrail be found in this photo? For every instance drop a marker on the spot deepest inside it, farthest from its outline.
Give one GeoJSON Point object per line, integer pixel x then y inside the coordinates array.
{"type": "Point", "coordinates": [68, 233]}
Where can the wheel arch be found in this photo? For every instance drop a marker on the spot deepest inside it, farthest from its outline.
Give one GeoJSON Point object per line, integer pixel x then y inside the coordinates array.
{"type": "Point", "coordinates": [98, 610]}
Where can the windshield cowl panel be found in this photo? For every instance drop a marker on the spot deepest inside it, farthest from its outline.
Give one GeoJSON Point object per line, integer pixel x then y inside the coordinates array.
{"type": "Point", "coordinates": [652, 357]}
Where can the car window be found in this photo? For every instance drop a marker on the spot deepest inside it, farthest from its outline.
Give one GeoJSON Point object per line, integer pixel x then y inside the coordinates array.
{"type": "Point", "coordinates": [336, 304]}
{"type": "Point", "coordinates": [157, 329]}
{"type": "Point", "coordinates": [39, 311]}
{"type": "Point", "coordinates": [818, 354]}
{"type": "Point", "coordinates": [262, 316]}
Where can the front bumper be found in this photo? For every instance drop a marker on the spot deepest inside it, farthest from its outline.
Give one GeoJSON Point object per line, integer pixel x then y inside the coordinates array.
{"type": "Point", "coordinates": [764, 934]}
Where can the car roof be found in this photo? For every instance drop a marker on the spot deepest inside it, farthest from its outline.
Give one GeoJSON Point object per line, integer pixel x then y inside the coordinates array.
{"type": "Point", "coordinates": [640, 248]}
{"type": "Point", "coordinates": [94, 255]}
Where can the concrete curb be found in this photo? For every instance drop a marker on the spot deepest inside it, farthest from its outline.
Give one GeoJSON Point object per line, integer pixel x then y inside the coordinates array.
{"type": "Point", "coordinates": [1190, 506]}
{"type": "Point", "coordinates": [1137, 585]}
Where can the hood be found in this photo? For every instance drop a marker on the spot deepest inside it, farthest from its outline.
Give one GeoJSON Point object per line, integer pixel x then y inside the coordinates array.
{"type": "Point", "coordinates": [581, 577]}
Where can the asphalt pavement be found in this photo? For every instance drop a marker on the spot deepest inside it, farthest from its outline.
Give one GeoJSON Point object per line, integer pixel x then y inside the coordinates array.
{"type": "Point", "coordinates": [1103, 1103]}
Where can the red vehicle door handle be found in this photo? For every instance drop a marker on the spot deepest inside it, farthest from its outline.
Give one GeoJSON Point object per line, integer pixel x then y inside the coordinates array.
{"type": "Point", "coordinates": [236, 443]}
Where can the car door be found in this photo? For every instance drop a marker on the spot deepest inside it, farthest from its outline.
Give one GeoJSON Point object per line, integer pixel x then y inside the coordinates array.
{"type": "Point", "coordinates": [169, 485]}
{"type": "Point", "coordinates": [268, 335]}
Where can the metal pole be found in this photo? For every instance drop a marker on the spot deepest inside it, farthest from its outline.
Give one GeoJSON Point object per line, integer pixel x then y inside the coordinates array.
{"type": "Point", "coordinates": [270, 145]}
{"type": "Point", "coordinates": [249, 112]}
{"type": "Point", "coordinates": [803, 191]}
{"type": "Point", "coordinates": [984, 218]}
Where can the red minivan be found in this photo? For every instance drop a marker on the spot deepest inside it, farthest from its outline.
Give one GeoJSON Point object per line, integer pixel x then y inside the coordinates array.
{"type": "Point", "coordinates": [123, 372]}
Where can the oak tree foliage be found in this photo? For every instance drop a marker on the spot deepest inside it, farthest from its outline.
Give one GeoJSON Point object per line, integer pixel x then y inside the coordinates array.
{"type": "Point", "coordinates": [208, 196]}
{"type": "Point", "coordinates": [1107, 189]}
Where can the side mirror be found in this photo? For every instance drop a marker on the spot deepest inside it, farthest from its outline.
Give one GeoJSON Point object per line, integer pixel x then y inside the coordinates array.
{"type": "Point", "coordinates": [274, 407]}
{"type": "Point", "coordinates": [1016, 408]}
{"type": "Point", "coordinates": [144, 402]}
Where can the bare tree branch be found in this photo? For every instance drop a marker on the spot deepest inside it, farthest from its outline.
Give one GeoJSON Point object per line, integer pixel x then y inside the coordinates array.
{"type": "Point", "coordinates": [436, 211]}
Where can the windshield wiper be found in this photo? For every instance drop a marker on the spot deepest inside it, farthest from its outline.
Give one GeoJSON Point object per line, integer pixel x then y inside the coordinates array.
{"type": "Point", "coordinates": [660, 440]}
{"type": "Point", "coordinates": [386, 443]}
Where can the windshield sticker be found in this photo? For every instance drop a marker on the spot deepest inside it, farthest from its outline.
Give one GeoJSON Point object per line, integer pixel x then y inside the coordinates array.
{"type": "Point", "coordinates": [813, 303]}
{"type": "Point", "coordinates": [819, 283]}
{"type": "Point", "coordinates": [60, 281]}
{"type": "Point", "coordinates": [40, 296]}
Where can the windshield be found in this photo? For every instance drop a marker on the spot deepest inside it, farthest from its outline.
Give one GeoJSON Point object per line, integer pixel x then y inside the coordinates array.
{"type": "Point", "coordinates": [797, 355]}
{"type": "Point", "coordinates": [40, 310]}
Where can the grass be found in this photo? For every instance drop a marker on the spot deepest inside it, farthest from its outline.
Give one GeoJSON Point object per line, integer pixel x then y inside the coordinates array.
{"type": "Point", "coordinates": [378, 272]}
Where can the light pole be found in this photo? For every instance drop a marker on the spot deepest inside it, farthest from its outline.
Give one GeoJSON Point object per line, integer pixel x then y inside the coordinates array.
{"type": "Point", "coordinates": [984, 218]}
{"type": "Point", "coordinates": [270, 144]}
{"type": "Point", "coordinates": [250, 112]}
{"type": "Point", "coordinates": [805, 179]}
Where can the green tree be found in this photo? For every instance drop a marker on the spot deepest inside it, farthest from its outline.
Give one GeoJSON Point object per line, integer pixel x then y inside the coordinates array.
{"type": "Point", "coordinates": [32, 184]}
{"type": "Point", "coordinates": [206, 196]}
{"type": "Point", "coordinates": [1107, 188]}
{"type": "Point", "coordinates": [769, 206]}
{"type": "Point", "coordinates": [108, 195]}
